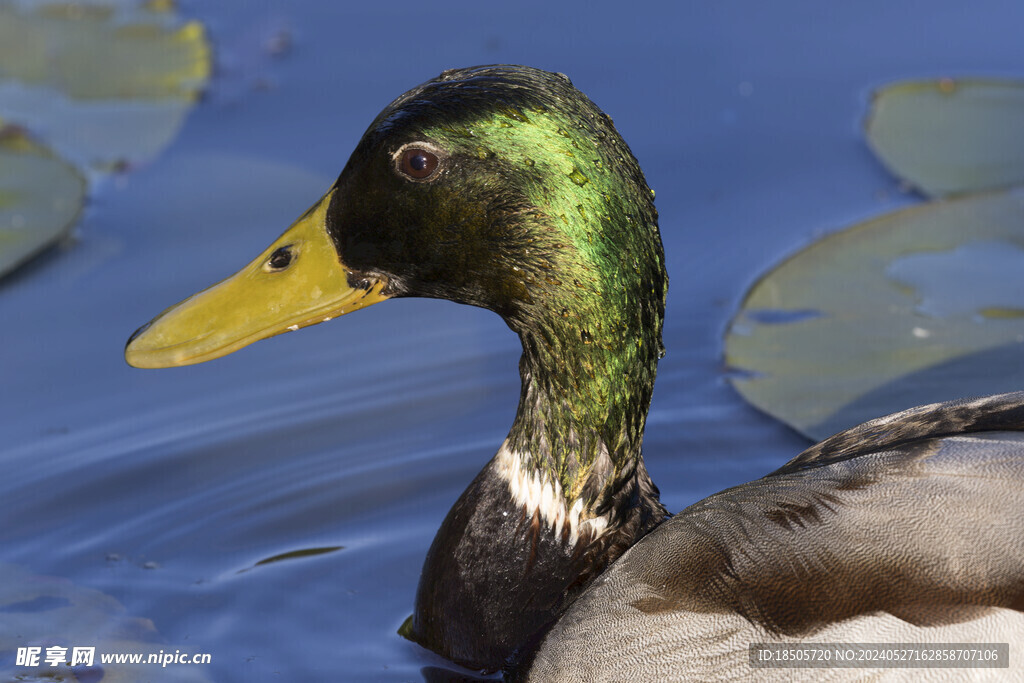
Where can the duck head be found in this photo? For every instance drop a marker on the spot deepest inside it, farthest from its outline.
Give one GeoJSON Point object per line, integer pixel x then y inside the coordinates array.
{"type": "Point", "coordinates": [502, 187]}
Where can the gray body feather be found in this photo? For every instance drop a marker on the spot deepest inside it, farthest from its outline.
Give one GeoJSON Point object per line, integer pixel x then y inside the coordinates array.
{"type": "Point", "coordinates": [909, 528]}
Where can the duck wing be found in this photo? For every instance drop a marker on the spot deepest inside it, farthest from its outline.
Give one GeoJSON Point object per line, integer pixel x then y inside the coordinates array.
{"type": "Point", "coordinates": [915, 521]}
{"type": "Point", "coordinates": [1001, 412]}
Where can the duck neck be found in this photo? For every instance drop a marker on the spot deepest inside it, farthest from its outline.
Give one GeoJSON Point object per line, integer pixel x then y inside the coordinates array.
{"type": "Point", "coordinates": [572, 456]}
{"type": "Point", "coordinates": [565, 496]}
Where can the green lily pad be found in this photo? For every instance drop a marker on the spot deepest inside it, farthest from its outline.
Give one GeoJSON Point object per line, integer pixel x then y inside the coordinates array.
{"type": "Point", "coordinates": [948, 137]}
{"type": "Point", "coordinates": [40, 198]}
{"type": "Point", "coordinates": [48, 612]}
{"type": "Point", "coordinates": [89, 52]}
{"type": "Point", "coordinates": [104, 83]}
{"type": "Point", "coordinates": [922, 305]}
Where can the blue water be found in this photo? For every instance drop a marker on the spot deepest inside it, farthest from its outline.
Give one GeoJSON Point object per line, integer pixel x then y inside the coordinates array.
{"type": "Point", "coordinates": [164, 489]}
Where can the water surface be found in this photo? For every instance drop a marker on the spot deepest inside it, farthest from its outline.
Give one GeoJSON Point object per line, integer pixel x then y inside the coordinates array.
{"type": "Point", "coordinates": [166, 489]}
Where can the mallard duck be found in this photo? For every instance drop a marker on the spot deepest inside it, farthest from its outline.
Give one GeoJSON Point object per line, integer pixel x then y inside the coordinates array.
{"type": "Point", "coordinates": [505, 187]}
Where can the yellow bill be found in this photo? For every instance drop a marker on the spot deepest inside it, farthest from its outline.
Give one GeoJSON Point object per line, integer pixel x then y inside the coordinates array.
{"type": "Point", "coordinates": [298, 281]}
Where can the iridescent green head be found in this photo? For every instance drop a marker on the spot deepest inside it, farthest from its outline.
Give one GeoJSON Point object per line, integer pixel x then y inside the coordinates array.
{"type": "Point", "coordinates": [499, 186]}
{"type": "Point", "coordinates": [530, 190]}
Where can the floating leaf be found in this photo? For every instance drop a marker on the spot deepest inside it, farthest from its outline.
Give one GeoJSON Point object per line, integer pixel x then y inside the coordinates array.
{"type": "Point", "coordinates": [949, 136]}
{"type": "Point", "coordinates": [104, 82]}
{"type": "Point", "coordinates": [89, 53]}
{"type": "Point", "coordinates": [40, 198]}
{"type": "Point", "coordinates": [44, 612]}
{"type": "Point", "coordinates": [922, 305]}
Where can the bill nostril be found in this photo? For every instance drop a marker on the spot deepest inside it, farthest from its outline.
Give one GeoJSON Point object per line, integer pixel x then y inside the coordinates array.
{"type": "Point", "coordinates": [280, 259]}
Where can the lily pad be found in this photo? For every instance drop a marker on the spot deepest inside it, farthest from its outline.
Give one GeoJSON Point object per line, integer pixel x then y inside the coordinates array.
{"type": "Point", "coordinates": [40, 198]}
{"type": "Point", "coordinates": [47, 612]}
{"type": "Point", "coordinates": [922, 305]}
{"type": "Point", "coordinates": [948, 136]}
{"type": "Point", "coordinates": [105, 82]}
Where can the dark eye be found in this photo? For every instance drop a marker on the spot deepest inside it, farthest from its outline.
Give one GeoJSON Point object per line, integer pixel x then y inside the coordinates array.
{"type": "Point", "coordinates": [418, 163]}
{"type": "Point", "coordinates": [280, 259]}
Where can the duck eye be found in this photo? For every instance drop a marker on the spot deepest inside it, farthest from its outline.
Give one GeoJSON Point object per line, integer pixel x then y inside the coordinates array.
{"type": "Point", "coordinates": [280, 259]}
{"type": "Point", "coordinates": [418, 163]}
